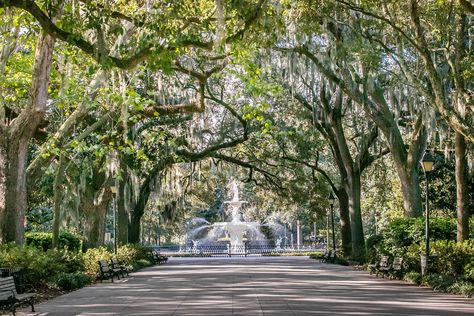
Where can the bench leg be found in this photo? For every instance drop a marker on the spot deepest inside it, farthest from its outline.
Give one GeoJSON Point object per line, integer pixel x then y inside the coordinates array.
{"type": "Point", "coordinates": [13, 309]}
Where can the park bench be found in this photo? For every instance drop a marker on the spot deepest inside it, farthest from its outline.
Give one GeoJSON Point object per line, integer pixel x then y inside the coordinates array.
{"type": "Point", "coordinates": [397, 267]}
{"type": "Point", "coordinates": [383, 267]}
{"type": "Point", "coordinates": [17, 274]}
{"type": "Point", "coordinates": [107, 271]}
{"type": "Point", "coordinates": [10, 298]}
{"type": "Point", "coordinates": [329, 256]}
{"type": "Point", "coordinates": [115, 264]}
{"type": "Point", "coordinates": [158, 258]}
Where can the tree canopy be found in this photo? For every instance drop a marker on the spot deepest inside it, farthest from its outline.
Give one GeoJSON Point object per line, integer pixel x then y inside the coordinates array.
{"type": "Point", "coordinates": [168, 100]}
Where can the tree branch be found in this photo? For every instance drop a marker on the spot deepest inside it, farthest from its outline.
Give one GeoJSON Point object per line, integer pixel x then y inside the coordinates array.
{"type": "Point", "coordinates": [271, 178]}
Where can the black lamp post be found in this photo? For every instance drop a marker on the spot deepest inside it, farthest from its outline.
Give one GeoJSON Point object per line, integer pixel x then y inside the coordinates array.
{"type": "Point", "coordinates": [332, 199]}
{"type": "Point", "coordinates": [427, 163]}
{"type": "Point", "coordinates": [114, 190]}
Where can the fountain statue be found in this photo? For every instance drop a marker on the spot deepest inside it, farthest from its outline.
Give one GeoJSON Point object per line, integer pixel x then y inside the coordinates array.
{"type": "Point", "coordinates": [236, 229]}
{"type": "Point", "coordinates": [236, 232]}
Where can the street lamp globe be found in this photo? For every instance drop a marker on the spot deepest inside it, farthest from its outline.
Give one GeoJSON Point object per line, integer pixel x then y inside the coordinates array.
{"type": "Point", "coordinates": [113, 186]}
{"type": "Point", "coordinates": [331, 199]}
{"type": "Point", "coordinates": [428, 162]}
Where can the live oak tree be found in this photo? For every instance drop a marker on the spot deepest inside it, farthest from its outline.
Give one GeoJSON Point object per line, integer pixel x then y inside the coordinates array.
{"type": "Point", "coordinates": [93, 28]}
{"type": "Point", "coordinates": [436, 35]}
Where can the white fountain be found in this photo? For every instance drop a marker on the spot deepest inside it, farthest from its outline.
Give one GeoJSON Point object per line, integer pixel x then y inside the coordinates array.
{"type": "Point", "coordinates": [236, 229]}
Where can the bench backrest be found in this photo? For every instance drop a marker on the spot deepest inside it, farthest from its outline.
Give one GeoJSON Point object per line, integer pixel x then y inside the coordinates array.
{"type": "Point", "coordinates": [115, 263]}
{"type": "Point", "coordinates": [104, 266]}
{"type": "Point", "coordinates": [384, 261]}
{"type": "Point", "coordinates": [397, 263]}
{"type": "Point", "coordinates": [7, 287]}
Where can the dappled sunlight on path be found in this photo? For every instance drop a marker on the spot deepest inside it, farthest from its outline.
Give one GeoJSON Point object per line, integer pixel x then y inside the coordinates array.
{"type": "Point", "coordinates": [254, 286]}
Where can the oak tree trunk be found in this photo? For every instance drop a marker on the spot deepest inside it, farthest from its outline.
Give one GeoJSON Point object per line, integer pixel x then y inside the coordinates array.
{"type": "Point", "coordinates": [12, 189]}
{"type": "Point", "coordinates": [94, 220]}
{"type": "Point", "coordinates": [411, 192]}
{"type": "Point", "coordinates": [123, 220]}
{"type": "Point", "coordinates": [357, 232]}
{"type": "Point", "coordinates": [58, 195]}
{"type": "Point", "coordinates": [15, 139]}
{"type": "Point", "coordinates": [344, 220]}
{"type": "Point", "coordinates": [462, 189]}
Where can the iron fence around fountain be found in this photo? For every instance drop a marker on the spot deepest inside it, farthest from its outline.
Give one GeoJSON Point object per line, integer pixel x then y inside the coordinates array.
{"type": "Point", "coordinates": [227, 250]}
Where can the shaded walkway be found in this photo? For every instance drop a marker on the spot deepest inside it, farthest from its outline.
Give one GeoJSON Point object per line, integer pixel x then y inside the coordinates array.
{"type": "Point", "coordinates": [254, 286]}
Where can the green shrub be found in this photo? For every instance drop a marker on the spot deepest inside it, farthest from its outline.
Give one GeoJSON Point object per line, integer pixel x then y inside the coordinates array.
{"type": "Point", "coordinates": [316, 255]}
{"type": "Point", "coordinates": [40, 267]}
{"type": "Point", "coordinates": [342, 261]}
{"type": "Point", "coordinates": [452, 258]}
{"type": "Point", "coordinates": [464, 288]}
{"type": "Point", "coordinates": [44, 240]}
{"type": "Point", "coordinates": [373, 245]}
{"type": "Point", "coordinates": [413, 277]}
{"type": "Point", "coordinates": [469, 271]}
{"type": "Point", "coordinates": [67, 269]}
{"type": "Point", "coordinates": [92, 257]}
{"type": "Point", "coordinates": [439, 282]}
{"type": "Point", "coordinates": [127, 254]}
{"type": "Point", "coordinates": [71, 281]}
{"type": "Point", "coordinates": [141, 263]}
{"type": "Point", "coordinates": [401, 233]}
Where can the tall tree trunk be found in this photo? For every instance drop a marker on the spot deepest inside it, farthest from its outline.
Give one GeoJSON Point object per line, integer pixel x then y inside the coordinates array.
{"type": "Point", "coordinates": [462, 168]}
{"type": "Point", "coordinates": [139, 210]}
{"type": "Point", "coordinates": [123, 220]}
{"type": "Point", "coordinates": [462, 190]}
{"type": "Point", "coordinates": [94, 205]}
{"type": "Point", "coordinates": [13, 190]}
{"type": "Point", "coordinates": [411, 192]}
{"type": "Point", "coordinates": [94, 218]}
{"type": "Point", "coordinates": [344, 219]}
{"type": "Point", "coordinates": [58, 195]}
{"type": "Point", "coordinates": [357, 232]}
{"type": "Point", "coordinates": [15, 139]}
{"type": "Point", "coordinates": [134, 230]}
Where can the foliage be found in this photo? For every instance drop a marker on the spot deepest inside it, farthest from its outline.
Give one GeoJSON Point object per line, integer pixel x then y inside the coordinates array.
{"type": "Point", "coordinates": [44, 240]}
{"type": "Point", "coordinates": [439, 282]}
{"type": "Point", "coordinates": [71, 281]}
{"type": "Point", "coordinates": [67, 269]}
{"type": "Point", "coordinates": [462, 288]}
{"type": "Point", "coordinates": [402, 233]}
{"type": "Point", "coordinates": [131, 255]}
{"type": "Point", "coordinates": [92, 257]}
{"type": "Point", "coordinates": [452, 258]}
{"type": "Point", "coordinates": [413, 277]}
{"type": "Point", "coordinates": [40, 267]}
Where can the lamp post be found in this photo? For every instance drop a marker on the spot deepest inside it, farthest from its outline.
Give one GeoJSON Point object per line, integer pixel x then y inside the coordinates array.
{"type": "Point", "coordinates": [113, 189]}
{"type": "Point", "coordinates": [332, 199]}
{"type": "Point", "coordinates": [427, 163]}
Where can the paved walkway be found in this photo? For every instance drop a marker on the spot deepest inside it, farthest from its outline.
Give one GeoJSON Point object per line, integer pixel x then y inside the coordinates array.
{"type": "Point", "coordinates": [254, 286]}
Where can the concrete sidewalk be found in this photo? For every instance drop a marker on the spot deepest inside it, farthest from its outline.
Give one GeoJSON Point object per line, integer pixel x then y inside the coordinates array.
{"type": "Point", "coordinates": [254, 286]}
